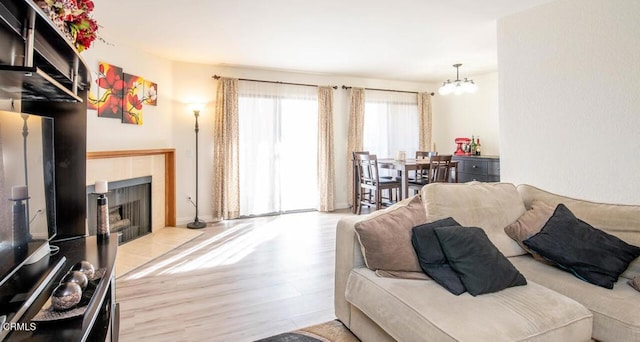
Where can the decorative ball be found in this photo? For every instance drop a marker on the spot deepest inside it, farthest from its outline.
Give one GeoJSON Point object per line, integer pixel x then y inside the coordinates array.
{"type": "Point", "coordinates": [65, 296]}
{"type": "Point", "coordinates": [84, 267]}
{"type": "Point", "coordinates": [76, 277]}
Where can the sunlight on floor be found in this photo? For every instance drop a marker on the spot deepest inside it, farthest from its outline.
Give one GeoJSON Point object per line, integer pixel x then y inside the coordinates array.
{"type": "Point", "coordinates": [138, 252]}
{"type": "Point", "coordinates": [243, 244]}
{"type": "Point", "coordinates": [238, 242]}
{"type": "Point", "coordinates": [231, 245]}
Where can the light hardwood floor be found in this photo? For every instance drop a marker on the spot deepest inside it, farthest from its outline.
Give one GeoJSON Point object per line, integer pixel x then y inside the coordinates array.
{"type": "Point", "coordinates": [140, 251]}
{"type": "Point", "coordinates": [239, 281]}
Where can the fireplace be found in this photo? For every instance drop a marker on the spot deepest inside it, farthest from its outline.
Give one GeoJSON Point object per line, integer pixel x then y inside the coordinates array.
{"type": "Point", "coordinates": [129, 208]}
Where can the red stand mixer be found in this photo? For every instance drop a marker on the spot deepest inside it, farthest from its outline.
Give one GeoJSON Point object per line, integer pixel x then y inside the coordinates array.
{"type": "Point", "coordinates": [462, 146]}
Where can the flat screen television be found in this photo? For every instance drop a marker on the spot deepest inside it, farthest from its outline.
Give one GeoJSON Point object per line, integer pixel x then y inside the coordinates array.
{"type": "Point", "coordinates": [27, 189]}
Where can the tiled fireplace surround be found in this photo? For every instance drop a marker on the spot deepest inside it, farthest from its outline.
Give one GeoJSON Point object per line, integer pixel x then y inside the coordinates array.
{"type": "Point", "coordinates": [157, 163]}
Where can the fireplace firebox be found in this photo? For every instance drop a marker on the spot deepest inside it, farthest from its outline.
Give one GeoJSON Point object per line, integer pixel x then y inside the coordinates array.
{"type": "Point", "coordinates": [129, 208]}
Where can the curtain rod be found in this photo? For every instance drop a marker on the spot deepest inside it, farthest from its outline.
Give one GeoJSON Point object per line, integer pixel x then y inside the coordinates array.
{"type": "Point", "coordinates": [277, 82]}
{"type": "Point", "coordinates": [391, 90]}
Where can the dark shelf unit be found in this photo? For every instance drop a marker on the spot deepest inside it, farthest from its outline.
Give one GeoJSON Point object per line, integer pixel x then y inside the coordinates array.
{"type": "Point", "coordinates": [31, 44]}
{"type": "Point", "coordinates": [101, 319]}
{"type": "Point", "coordinates": [44, 74]}
{"type": "Point", "coordinates": [477, 168]}
{"type": "Point", "coordinates": [33, 84]}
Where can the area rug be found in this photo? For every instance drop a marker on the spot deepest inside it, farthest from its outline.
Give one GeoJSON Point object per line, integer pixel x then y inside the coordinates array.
{"type": "Point", "coordinates": [140, 251]}
{"type": "Point", "coordinates": [332, 331]}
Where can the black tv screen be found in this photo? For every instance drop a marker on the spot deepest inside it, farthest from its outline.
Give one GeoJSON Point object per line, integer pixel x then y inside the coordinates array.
{"type": "Point", "coordinates": [27, 188]}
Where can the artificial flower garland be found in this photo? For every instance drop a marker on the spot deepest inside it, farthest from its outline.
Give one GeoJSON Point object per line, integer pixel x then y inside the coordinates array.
{"type": "Point", "coordinates": [73, 17]}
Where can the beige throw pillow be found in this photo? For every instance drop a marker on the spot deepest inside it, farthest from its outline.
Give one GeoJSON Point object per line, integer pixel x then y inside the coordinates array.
{"type": "Point", "coordinates": [529, 224]}
{"type": "Point", "coordinates": [490, 206]}
{"type": "Point", "coordinates": [635, 283]}
{"type": "Point", "coordinates": [385, 239]}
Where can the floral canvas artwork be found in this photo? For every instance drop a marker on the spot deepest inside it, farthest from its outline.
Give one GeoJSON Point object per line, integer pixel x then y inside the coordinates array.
{"type": "Point", "coordinates": [110, 91]}
{"type": "Point", "coordinates": [92, 97]}
{"type": "Point", "coordinates": [133, 99]}
{"type": "Point", "coordinates": [119, 95]}
{"type": "Point", "coordinates": [150, 93]}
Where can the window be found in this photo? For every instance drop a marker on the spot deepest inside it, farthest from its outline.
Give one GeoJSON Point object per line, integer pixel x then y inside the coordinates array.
{"type": "Point", "coordinates": [278, 147]}
{"type": "Point", "coordinates": [390, 123]}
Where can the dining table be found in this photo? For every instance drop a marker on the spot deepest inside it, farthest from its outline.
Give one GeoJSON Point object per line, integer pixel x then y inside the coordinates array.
{"type": "Point", "coordinates": [403, 167]}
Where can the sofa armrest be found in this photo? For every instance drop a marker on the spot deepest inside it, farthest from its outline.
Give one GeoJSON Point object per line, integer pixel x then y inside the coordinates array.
{"type": "Point", "coordinates": [348, 257]}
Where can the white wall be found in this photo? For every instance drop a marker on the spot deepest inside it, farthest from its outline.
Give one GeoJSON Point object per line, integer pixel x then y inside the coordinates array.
{"type": "Point", "coordinates": [105, 134]}
{"type": "Point", "coordinates": [569, 99]}
{"type": "Point", "coordinates": [171, 123]}
{"type": "Point", "coordinates": [467, 115]}
{"type": "Point", "coordinates": [193, 83]}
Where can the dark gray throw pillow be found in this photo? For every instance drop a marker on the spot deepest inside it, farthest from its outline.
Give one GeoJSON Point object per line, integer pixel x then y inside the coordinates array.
{"type": "Point", "coordinates": [431, 257]}
{"type": "Point", "coordinates": [481, 266]}
{"type": "Point", "coordinates": [589, 253]}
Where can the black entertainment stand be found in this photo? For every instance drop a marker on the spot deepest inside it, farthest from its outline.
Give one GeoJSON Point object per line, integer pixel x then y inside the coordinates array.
{"type": "Point", "coordinates": [42, 73]}
{"type": "Point", "coordinates": [101, 319]}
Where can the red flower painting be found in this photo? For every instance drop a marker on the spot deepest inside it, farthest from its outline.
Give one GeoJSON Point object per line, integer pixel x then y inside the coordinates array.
{"type": "Point", "coordinates": [110, 91]}
{"type": "Point", "coordinates": [121, 95]}
{"type": "Point", "coordinates": [132, 103]}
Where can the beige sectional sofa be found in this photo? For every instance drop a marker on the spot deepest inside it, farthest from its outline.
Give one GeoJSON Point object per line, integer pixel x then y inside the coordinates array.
{"type": "Point", "coordinates": [553, 306]}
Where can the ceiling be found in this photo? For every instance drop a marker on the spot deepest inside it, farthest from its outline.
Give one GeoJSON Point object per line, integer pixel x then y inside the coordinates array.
{"type": "Point", "coordinates": [413, 40]}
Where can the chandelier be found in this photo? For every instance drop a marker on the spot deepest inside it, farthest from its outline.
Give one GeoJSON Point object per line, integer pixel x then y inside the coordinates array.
{"type": "Point", "coordinates": [458, 87]}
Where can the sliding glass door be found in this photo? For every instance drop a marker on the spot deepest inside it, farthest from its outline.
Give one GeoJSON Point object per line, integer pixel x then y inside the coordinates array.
{"type": "Point", "coordinates": [278, 148]}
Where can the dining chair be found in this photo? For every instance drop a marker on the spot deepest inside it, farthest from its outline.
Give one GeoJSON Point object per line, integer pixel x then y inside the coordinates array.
{"type": "Point", "coordinates": [367, 152]}
{"type": "Point", "coordinates": [436, 171]}
{"type": "Point", "coordinates": [440, 169]}
{"type": "Point", "coordinates": [425, 154]}
{"type": "Point", "coordinates": [371, 186]}
{"type": "Point", "coordinates": [421, 171]}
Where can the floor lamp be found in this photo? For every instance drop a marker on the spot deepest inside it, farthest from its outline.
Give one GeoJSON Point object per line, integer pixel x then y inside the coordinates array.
{"type": "Point", "coordinates": [196, 224]}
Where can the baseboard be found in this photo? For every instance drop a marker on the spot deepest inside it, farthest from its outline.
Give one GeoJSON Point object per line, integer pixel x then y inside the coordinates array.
{"type": "Point", "coordinates": [182, 221]}
{"type": "Point", "coordinates": [343, 205]}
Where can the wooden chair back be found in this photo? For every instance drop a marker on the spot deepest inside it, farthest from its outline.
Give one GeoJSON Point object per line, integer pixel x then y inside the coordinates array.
{"type": "Point", "coordinates": [439, 169]}
{"type": "Point", "coordinates": [367, 168]}
{"type": "Point", "coordinates": [422, 170]}
{"type": "Point", "coordinates": [425, 154]}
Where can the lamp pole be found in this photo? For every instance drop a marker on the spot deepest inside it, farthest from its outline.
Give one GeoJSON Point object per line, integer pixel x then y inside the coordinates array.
{"type": "Point", "coordinates": [196, 224]}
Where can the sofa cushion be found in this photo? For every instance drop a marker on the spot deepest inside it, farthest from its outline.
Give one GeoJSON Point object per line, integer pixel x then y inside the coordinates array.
{"type": "Point", "coordinates": [616, 313]}
{"type": "Point", "coordinates": [425, 311]}
{"type": "Point", "coordinates": [590, 253]}
{"type": "Point", "coordinates": [385, 238]}
{"type": "Point", "coordinates": [616, 219]}
{"type": "Point", "coordinates": [403, 275]}
{"type": "Point", "coordinates": [529, 224]}
{"type": "Point", "coordinates": [432, 258]}
{"type": "Point", "coordinates": [635, 283]}
{"type": "Point", "coordinates": [490, 206]}
{"type": "Point", "coordinates": [482, 268]}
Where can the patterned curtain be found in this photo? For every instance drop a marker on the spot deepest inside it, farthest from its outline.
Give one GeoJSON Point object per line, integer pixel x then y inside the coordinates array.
{"type": "Point", "coordinates": [326, 172]}
{"type": "Point", "coordinates": [226, 183]}
{"type": "Point", "coordinates": [424, 121]}
{"type": "Point", "coordinates": [356, 127]}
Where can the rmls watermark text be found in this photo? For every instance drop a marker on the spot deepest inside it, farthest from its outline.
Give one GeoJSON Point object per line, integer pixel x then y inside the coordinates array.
{"type": "Point", "coordinates": [18, 326]}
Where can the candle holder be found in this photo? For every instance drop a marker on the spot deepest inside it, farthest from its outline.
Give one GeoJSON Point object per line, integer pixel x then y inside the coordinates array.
{"type": "Point", "coordinates": [103, 218]}
{"type": "Point", "coordinates": [20, 222]}
{"type": "Point", "coordinates": [102, 223]}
